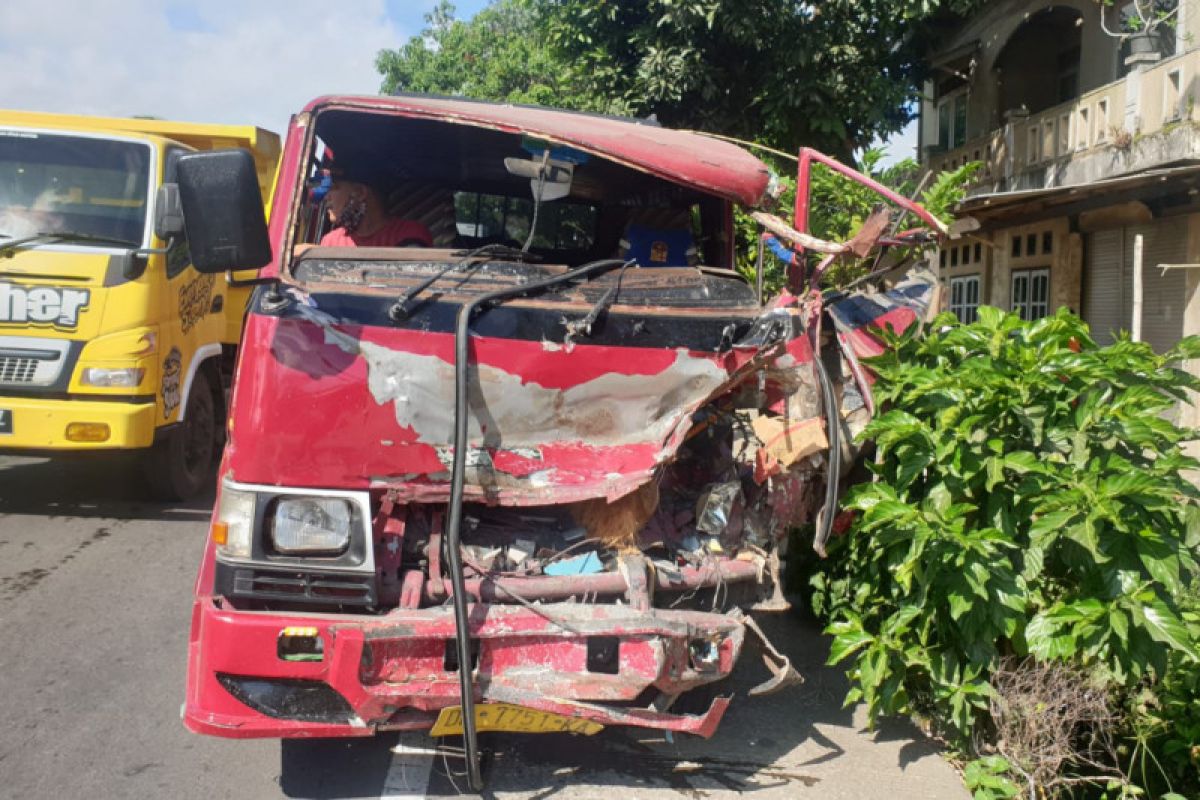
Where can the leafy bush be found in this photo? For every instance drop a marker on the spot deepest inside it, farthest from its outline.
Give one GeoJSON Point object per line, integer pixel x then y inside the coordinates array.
{"type": "Point", "coordinates": [1165, 719]}
{"type": "Point", "coordinates": [1029, 500]}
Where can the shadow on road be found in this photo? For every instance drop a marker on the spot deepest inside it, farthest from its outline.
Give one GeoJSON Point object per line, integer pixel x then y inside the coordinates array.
{"type": "Point", "coordinates": [749, 753]}
{"type": "Point", "coordinates": [104, 485]}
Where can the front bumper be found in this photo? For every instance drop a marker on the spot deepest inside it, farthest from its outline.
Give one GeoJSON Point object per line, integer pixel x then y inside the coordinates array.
{"type": "Point", "coordinates": [40, 424]}
{"type": "Point", "coordinates": [391, 673]}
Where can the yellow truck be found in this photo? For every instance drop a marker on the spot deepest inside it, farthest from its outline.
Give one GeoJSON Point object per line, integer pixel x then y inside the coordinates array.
{"type": "Point", "coordinates": [109, 338]}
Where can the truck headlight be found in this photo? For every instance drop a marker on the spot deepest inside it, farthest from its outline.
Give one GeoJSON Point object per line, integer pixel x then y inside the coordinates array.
{"type": "Point", "coordinates": [124, 377]}
{"type": "Point", "coordinates": [234, 522]}
{"type": "Point", "coordinates": [311, 525]}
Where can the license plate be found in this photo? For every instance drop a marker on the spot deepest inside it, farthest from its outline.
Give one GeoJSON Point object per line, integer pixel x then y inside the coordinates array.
{"type": "Point", "coordinates": [6, 419]}
{"type": "Point", "coordinates": [512, 719]}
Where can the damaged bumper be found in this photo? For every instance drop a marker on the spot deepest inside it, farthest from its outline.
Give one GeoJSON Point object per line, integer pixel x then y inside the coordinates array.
{"type": "Point", "coordinates": [608, 664]}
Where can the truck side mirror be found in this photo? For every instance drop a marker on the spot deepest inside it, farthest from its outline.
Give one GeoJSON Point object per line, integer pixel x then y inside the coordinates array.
{"type": "Point", "coordinates": [168, 213]}
{"type": "Point", "coordinates": [223, 211]}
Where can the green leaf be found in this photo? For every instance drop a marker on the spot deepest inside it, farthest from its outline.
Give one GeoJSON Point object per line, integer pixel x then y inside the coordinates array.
{"type": "Point", "coordinates": [1022, 462]}
{"type": "Point", "coordinates": [848, 639]}
{"type": "Point", "coordinates": [959, 604]}
{"type": "Point", "coordinates": [1165, 627]}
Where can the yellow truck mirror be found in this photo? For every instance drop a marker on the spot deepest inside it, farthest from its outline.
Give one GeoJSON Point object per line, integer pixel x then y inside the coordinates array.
{"type": "Point", "coordinates": [168, 213]}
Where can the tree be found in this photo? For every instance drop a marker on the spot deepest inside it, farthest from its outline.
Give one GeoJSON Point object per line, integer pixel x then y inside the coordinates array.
{"type": "Point", "coordinates": [834, 75]}
{"type": "Point", "coordinates": [496, 55]}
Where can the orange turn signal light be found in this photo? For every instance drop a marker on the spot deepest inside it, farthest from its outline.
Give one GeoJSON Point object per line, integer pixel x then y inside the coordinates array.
{"type": "Point", "coordinates": [88, 432]}
{"type": "Point", "coordinates": [220, 533]}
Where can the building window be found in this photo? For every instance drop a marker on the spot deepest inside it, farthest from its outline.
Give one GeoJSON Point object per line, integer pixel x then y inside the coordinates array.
{"type": "Point", "coordinates": [1068, 74]}
{"type": "Point", "coordinates": [964, 298]}
{"type": "Point", "coordinates": [1101, 121]}
{"type": "Point", "coordinates": [952, 121]}
{"type": "Point", "coordinates": [1047, 242]}
{"type": "Point", "coordinates": [1030, 244]}
{"type": "Point", "coordinates": [1031, 293]}
{"type": "Point", "coordinates": [1171, 96]}
{"type": "Point", "coordinates": [978, 253]}
{"type": "Point", "coordinates": [1083, 128]}
{"type": "Point", "coordinates": [1035, 145]}
{"type": "Point", "coordinates": [1016, 247]}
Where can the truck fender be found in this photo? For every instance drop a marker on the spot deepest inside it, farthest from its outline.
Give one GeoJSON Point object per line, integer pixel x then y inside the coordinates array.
{"type": "Point", "coordinates": [202, 354]}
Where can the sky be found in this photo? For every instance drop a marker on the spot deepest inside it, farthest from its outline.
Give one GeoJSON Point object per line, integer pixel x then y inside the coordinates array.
{"type": "Point", "coordinates": [229, 61]}
{"type": "Point", "coordinates": [901, 145]}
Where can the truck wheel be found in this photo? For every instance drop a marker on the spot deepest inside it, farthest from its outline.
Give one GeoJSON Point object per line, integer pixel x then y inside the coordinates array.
{"type": "Point", "coordinates": [180, 464]}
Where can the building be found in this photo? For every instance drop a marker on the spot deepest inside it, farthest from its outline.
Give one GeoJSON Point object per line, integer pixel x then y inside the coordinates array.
{"type": "Point", "coordinates": [1087, 140]}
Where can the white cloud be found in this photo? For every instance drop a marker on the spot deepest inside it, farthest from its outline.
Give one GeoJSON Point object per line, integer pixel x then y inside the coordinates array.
{"type": "Point", "coordinates": [230, 61]}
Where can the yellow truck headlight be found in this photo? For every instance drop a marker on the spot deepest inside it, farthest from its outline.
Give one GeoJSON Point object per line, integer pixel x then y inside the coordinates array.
{"type": "Point", "coordinates": [122, 377]}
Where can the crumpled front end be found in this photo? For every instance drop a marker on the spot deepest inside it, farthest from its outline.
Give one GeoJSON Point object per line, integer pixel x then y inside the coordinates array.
{"type": "Point", "coordinates": [584, 607]}
{"type": "Point", "coordinates": [606, 665]}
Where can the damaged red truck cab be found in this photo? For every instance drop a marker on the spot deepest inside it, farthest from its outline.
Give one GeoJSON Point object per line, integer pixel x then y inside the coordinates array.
{"type": "Point", "coordinates": [511, 473]}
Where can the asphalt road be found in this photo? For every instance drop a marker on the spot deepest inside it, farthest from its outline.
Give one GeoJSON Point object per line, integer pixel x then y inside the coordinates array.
{"type": "Point", "coordinates": [95, 586]}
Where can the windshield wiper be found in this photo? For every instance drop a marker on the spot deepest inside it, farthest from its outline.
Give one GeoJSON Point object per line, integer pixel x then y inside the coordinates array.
{"type": "Point", "coordinates": [400, 309]}
{"type": "Point", "coordinates": [47, 237]}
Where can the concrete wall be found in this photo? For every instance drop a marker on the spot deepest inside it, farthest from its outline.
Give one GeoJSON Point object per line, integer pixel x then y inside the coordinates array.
{"type": "Point", "coordinates": [1065, 261]}
{"type": "Point", "coordinates": [1188, 27]}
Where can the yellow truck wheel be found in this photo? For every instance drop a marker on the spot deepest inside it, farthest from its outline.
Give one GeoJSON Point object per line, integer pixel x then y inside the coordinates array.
{"type": "Point", "coordinates": [180, 465]}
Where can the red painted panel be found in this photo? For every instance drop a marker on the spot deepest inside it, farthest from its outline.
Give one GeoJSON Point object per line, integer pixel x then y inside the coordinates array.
{"type": "Point", "coordinates": [304, 413]}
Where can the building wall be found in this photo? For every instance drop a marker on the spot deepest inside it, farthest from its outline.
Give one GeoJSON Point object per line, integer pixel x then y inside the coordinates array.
{"type": "Point", "coordinates": [994, 261]}
{"type": "Point", "coordinates": [1188, 25]}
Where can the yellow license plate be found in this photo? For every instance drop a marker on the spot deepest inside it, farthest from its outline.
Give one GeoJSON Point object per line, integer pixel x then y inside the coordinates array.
{"type": "Point", "coordinates": [512, 719]}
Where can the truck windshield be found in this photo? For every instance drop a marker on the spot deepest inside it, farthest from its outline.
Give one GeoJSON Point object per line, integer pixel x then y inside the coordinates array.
{"type": "Point", "coordinates": [53, 183]}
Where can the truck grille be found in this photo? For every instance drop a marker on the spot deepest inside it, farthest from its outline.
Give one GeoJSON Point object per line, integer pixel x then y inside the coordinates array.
{"type": "Point", "coordinates": [29, 361]}
{"type": "Point", "coordinates": [14, 369]}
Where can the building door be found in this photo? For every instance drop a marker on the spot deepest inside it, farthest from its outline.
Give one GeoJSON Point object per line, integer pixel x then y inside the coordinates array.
{"type": "Point", "coordinates": [1108, 282]}
{"type": "Point", "coordinates": [1164, 296]}
{"type": "Point", "coordinates": [1103, 284]}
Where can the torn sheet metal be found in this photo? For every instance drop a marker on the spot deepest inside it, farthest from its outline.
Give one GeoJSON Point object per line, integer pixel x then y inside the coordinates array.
{"type": "Point", "coordinates": [593, 423]}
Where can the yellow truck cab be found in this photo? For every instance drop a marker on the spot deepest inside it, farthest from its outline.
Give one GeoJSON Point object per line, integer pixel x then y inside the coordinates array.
{"type": "Point", "coordinates": [109, 338]}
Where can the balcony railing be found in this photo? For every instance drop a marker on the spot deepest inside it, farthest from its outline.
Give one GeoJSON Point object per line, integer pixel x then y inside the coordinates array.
{"type": "Point", "coordinates": [1025, 146]}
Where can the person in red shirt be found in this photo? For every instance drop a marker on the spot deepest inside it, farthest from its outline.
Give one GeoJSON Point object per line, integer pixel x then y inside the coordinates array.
{"type": "Point", "coordinates": [356, 210]}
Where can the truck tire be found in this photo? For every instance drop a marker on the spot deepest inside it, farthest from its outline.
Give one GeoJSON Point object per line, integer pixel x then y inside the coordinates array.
{"type": "Point", "coordinates": [180, 465]}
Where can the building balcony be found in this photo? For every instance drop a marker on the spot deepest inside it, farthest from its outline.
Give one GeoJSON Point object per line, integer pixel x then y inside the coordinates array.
{"type": "Point", "coordinates": [1147, 119]}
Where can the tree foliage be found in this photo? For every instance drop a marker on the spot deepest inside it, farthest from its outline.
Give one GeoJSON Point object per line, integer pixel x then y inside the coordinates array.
{"type": "Point", "coordinates": [499, 54]}
{"type": "Point", "coordinates": [833, 75]}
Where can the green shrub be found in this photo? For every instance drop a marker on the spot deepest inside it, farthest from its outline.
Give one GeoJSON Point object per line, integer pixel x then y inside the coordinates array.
{"type": "Point", "coordinates": [1029, 500]}
{"type": "Point", "coordinates": [1165, 720]}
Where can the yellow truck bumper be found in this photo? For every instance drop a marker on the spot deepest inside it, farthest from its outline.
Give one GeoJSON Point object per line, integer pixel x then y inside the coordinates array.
{"type": "Point", "coordinates": [36, 424]}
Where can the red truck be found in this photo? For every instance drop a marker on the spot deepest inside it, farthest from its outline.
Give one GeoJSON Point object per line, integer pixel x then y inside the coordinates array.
{"type": "Point", "coordinates": [527, 478]}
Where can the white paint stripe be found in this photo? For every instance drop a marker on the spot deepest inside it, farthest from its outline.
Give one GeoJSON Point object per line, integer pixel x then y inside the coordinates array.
{"type": "Point", "coordinates": [412, 763]}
